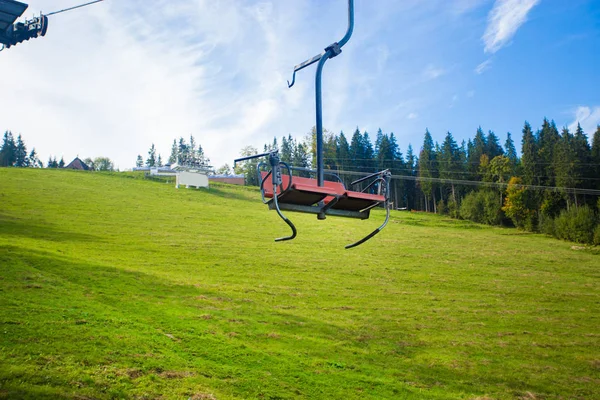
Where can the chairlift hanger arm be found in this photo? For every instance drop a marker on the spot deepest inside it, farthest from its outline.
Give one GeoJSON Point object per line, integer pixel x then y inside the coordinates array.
{"type": "Point", "coordinates": [332, 50]}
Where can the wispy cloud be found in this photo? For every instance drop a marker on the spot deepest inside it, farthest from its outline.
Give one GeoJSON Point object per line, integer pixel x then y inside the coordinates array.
{"type": "Point", "coordinates": [412, 115]}
{"type": "Point", "coordinates": [432, 72]}
{"type": "Point", "coordinates": [504, 21]}
{"type": "Point", "coordinates": [484, 66]}
{"type": "Point", "coordinates": [588, 117]}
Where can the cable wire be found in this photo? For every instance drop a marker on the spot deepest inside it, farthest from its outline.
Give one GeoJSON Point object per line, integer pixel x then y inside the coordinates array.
{"type": "Point", "coordinates": [73, 8]}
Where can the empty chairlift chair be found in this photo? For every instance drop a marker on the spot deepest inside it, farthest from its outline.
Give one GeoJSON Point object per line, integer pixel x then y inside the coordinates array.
{"type": "Point", "coordinates": [282, 190]}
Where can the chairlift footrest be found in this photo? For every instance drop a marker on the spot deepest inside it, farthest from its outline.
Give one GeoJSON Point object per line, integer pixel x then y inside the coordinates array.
{"type": "Point", "coordinates": [318, 209]}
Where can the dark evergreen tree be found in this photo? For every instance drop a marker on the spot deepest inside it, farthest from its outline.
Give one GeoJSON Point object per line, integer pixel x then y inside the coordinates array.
{"type": "Point", "coordinates": [151, 160]}
{"type": "Point", "coordinates": [287, 146]}
{"type": "Point", "coordinates": [21, 153]}
{"type": "Point", "coordinates": [548, 137]}
{"type": "Point", "coordinates": [34, 161]}
{"type": "Point", "coordinates": [583, 151]}
{"type": "Point", "coordinates": [174, 152]}
{"type": "Point", "coordinates": [595, 156]}
{"type": "Point", "coordinates": [411, 192]}
{"type": "Point", "coordinates": [478, 148]}
{"type": "Point", "coordinates": [183, 152]}
{"type": "Point", "coordinates": [159, 162]}
{"type": "Point", "coordinates": [565, 165]}
{"type": "Point", "coordinates": [449, 161]}
{"type": "Point", "coordinates": [427, 169]}
{"type": "Point", "coordinates": [357, 151]}
{"type": "Point", "coordinates": [511, 154]}
{"type": "Point", "coordinates": [61, 163]}
{"type": "Point", "coordinates": [529, 156]}
{"type": "Point", "coordinates": [369, 153]}
{"type": "Point", "coordinates": [301, 158]}
{"type": "Point", "coordinates": [8, 151]}
{"type": "Point", "coordinates": [493, 148]}
{"type": "Point", "coordinates": [139, 163]}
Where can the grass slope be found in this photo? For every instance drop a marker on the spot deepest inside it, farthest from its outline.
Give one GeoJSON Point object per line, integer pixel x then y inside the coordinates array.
{"type": "Point", "coordinates": [116, 287]}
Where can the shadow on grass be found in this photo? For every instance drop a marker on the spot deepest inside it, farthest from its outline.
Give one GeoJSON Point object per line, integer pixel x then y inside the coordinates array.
{"type": "Point", "coordinates": [160, 313]}
{"type": "Point", "coordinates": [11, 226]}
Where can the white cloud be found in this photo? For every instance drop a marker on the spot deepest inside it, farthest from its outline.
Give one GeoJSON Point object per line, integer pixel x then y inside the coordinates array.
{"type": "Point", "coordinates": [588, 117]}
{"type": "Point", "coordinates": [484, 66]}
{"type": "Point", "coordinates": [431, 72]}
{"type": "Point", "coordinates": [504, 21]}
{"type": "Point", "coordinates": [114, 78]}
{"type": "Point", "coordinates": [412, 115]}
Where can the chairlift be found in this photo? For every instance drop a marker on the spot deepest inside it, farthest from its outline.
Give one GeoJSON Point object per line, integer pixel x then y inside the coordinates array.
{"type": "Point", "coordinates": [281, 190]}
{"type": "Point", "coordinates": [13, 33]}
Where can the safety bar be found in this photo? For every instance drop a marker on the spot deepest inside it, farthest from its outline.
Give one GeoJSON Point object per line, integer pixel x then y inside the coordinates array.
{"type": "Point", "coordinates": [370, 176]}
{"type": "Point", "coordinates": [254, 156]}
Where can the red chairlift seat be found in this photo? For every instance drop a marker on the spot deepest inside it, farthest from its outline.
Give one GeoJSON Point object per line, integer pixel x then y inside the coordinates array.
{"type": "Point", "coordinates": [306, 192]}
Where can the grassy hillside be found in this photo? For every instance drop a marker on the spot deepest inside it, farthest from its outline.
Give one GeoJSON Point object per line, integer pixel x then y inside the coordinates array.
{"type": "Point", "coordinates": [116, 287]}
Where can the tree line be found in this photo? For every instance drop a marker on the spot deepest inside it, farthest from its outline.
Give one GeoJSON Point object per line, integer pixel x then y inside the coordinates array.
{"type": "Point", "coordinates": [13, 153]}
{"type": "Point", "coordinates": [182, 153]}
{"type": "Point", "coordinates": [553, 186]}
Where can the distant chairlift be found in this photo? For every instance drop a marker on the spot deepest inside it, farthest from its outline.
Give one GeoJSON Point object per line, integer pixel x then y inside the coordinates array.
{"type": "Point", "coordinates": [281, 190]}
{"type": "Point", "coordinates": [12, 33]}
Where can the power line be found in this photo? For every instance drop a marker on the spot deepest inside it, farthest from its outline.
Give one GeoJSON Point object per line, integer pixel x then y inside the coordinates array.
{"type": "Point", "coordinates": [477, 183]}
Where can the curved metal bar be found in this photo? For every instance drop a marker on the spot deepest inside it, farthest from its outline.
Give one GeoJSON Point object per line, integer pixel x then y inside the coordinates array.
{"type": "Point", "coordinates": [350, 24]}
{"type": "Point", "coordinates": [262, 181]}
{"type": "Point", "coordinates": [284, 218]}
{"type": "Point", "coordinates": [375, 232]}
{"type": "Point", "coordinates": [319, 117]}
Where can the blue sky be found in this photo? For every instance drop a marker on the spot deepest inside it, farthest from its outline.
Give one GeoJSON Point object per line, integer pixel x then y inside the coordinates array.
{"type": "Point", "coordinates": [113, 78]}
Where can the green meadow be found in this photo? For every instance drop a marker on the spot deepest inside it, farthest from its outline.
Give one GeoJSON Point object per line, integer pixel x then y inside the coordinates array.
{"type": "Point", "coordinates": [113, 286]}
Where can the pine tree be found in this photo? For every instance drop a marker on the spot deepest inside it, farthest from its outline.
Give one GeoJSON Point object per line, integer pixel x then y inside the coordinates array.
{"type": "Point", "coordinates": [511, 154]}
{"type": "Point", "coordinates": [159, 162]}
{"type": "Point", "coordinates": [449, 162]}
{"type": "Point", "coordinates": [139, 163]}
{"type": "Point", "coordinates": [286, 152]}
{"type": "Point", "coordinates": [583, 153]}
{"type": "Point", "coordinates": [369, 155]}
{"type": "Point", "coordinates": [174, 153]}
{"type": "Point", "coordinates": [183, 152]}
{"type": "Point", "coordinates": [357, 151]}
{"type": "Point", "coordinates": [151, 160]}
{"type": "Point", "coordinates": [301, 158]}
{"type": "Point", "coordinates": [565, 162]}
{"type": "Point", "coordinates": [477, 149]}
{"type": "Point", "coordinates": [493, 148]}
{"type": "Point", "coordinates": [428, 169]}
{"type": "Point", "coordinates": [20, 153]}
{"type": "Point", "coordinates": [61, 163]}
{"type": "Point", "coordinates": [411, 195]}
{"type": "Point", "coordinates": [33, 160]}
{"type": "Point", "coordinates": [547, 139]}
{"type": "Point", "coordinates": [8, 151]}
{"type": "Point", "coordinates": [529, 156]}
{"type": "Point", "coordinates": [595, 155]}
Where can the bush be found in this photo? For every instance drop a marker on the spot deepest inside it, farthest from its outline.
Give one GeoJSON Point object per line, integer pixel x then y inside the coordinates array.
{"type": "Point", "coordinates": [597, 235]}
{"type": "Point", "coordinates": [441, 207]}
{"type": "Point", "coordinates": [453, 209]}
{"type": "Point", "coordinates": [546, 225]}
{"type": "Point", "coordinates": [483, 206]}
{"type": "Point", "coordinates": [576, 225]}
{"type": "Point", "coordinates": [472, 207]}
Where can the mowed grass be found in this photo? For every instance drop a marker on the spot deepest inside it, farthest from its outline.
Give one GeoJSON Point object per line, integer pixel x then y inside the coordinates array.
{"type": "Point", "coordinates": [112, 286]}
